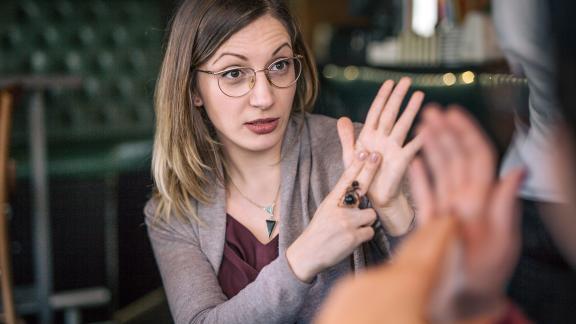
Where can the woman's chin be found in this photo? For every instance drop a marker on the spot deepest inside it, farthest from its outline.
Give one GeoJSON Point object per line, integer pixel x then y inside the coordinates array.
{"type": "Point", "coordinates": [261, 145]}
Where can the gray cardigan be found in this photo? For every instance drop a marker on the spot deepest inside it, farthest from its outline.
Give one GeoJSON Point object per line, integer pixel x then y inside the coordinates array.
{"type": "Point", "coordinates": [189, 254]}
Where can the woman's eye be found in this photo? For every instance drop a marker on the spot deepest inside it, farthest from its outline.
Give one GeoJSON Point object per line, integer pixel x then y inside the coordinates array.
{"type": "Point", "coordinates": [280, 65]}
{"type": "Point", "coordinates": [232, 74]}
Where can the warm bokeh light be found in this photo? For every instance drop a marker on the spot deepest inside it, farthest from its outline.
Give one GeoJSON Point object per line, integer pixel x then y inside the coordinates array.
{"type": "Point", "coordinates": [468, 77]}
{"type": "Point", "coordinates": [351, 72]}
{"type": "Point", "coordinates": [449, 79]}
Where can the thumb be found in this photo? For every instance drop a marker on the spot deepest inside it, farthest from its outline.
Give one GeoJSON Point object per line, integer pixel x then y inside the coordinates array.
{"type": "Point", "coordinates": [427, 245]}
{"type": "Point", "coordinates": [431, 256]}
{"type": "Point", "coordinates": [346, 134]}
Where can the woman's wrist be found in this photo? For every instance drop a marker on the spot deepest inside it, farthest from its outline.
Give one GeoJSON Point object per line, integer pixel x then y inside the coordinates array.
{"type": "Point", "coordinates": [397, 216]}
{"type": "Point", "coordinates": [298, 264]}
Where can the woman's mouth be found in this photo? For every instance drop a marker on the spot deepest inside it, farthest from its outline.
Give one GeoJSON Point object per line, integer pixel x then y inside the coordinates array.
{"type": "Point", "coordinates": [263, 126]}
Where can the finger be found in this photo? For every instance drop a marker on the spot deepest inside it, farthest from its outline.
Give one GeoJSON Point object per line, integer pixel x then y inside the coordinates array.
{"type": "Point", "coordinates": [378, 104]}
{"type": "Point", "coordinates": [364, 217]}
{"type": "Point", "coordinates": [346, 134]}
{"type": "Point", "coordinates": [367, 173]}
{"type": "Point", "coordinates": [456, 164]}
{"type": "Point", "coordinates": [388, 116]}
{"type": "Point", "coordinates": [504, 208]}
{"type": "Point", "coordinates": [402, 126]}
{"type": "Point", "coordinates": [364, 234]}
{"type": "Point", "coordinates": [414, 146]}
{"type": "Point", "coordinates": [480, 154]}
{"type": "Point", "coordinates": [348, 176]}
{"type": "Point", "coordinates": [435, 157]}
{"type": "Point", "coordinates": [421, 191]}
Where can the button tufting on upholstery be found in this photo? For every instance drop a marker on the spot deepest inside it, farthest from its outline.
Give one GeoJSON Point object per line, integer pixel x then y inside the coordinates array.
{"type": "Point", "coordinates": [114, 46]}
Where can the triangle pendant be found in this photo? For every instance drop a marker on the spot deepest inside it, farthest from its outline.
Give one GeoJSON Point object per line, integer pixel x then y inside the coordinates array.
{"type": "Point", "coordinates": [270, 224]}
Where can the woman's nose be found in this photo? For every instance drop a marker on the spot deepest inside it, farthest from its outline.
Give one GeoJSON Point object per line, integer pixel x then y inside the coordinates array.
{"type": "Point", "coordinates": [261, 95]}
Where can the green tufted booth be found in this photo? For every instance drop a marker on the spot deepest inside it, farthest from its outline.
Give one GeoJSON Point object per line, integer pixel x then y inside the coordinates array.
{"type": "Point", "coordinates": [114, 46]}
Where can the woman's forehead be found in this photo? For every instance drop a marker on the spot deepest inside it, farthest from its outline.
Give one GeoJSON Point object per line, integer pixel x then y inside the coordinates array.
{"type": "Point", "coordinates": [262, 37]}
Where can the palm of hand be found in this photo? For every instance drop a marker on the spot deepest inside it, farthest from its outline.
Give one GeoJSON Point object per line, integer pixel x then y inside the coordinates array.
{"type": "Point", "coordinates": [395, 160]}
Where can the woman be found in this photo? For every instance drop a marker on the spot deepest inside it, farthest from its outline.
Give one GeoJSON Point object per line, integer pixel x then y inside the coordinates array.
{"type": "Point", "coordinates": [249, 222]}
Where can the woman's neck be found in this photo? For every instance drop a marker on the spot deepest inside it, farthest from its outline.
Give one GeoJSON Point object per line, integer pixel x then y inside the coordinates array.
{"type": "Point", "coordinates": [256, 174]}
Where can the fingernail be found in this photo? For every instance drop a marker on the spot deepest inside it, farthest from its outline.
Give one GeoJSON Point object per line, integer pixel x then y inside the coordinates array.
{"type": "Point", "coordinates": [362, 155]}
{"type": "Point", "coordinates": [374, 157]}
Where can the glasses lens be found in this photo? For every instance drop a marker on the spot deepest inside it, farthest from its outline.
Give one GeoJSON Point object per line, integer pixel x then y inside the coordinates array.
{"type": "Point", "coordinates": [284, 73]}
{"type": "Point", "coordinates": [236, 82]}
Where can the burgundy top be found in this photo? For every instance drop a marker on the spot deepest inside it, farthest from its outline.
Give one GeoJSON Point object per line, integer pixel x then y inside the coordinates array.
{"type": "Point", "coordinates": [244, 257]}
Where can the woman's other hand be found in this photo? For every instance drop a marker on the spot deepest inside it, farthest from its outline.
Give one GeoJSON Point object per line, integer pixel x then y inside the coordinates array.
{"type": "Point", "coordinates": [335, 231]}
{"type": "Point", "coordinates": [400, 291]}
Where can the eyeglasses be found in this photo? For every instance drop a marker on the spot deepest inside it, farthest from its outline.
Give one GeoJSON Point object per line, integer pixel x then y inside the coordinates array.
{"type": "Point", "coordinates": [238, 81]}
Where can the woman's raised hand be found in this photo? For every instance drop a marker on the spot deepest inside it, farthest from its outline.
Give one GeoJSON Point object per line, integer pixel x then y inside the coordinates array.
{"type": "Point", "coordinates": [385, 133]}
{"type": "Point", "coordinates": [335, 231]}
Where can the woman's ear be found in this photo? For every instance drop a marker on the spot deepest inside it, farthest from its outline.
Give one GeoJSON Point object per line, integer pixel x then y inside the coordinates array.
{"type": "Point", "coordinates": [197, 101]}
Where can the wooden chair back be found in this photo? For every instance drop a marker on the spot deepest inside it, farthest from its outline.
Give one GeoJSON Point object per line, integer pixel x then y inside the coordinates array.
{"type": "Point", "coordinates": [6, 106]}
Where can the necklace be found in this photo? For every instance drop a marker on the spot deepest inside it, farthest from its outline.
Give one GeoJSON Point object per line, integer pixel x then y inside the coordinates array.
{"type": "Point", "coordinates": [268, 209]}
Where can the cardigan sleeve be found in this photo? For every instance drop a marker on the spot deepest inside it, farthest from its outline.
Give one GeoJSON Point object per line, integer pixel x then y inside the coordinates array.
{"type": "Point", "coordinates": [192, 288]}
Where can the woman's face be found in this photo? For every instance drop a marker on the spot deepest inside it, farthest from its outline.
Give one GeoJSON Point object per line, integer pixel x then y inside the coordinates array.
{"type": "Point", "coordinates": [256, 121]}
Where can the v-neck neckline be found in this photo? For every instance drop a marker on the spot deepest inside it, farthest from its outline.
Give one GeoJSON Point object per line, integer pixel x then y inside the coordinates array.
{"type": "Point", "coordinates": [245, 229]}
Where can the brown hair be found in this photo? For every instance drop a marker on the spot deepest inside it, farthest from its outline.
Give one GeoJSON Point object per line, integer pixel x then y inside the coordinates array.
{"type": "Point", "coordinates": [187, 156]}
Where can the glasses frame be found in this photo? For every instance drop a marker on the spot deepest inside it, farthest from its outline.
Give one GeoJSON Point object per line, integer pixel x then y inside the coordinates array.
{"type": "Point", "coordinates": [266, 71]}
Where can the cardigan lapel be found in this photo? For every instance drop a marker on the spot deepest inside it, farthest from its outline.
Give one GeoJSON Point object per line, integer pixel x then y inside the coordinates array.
{"type": "Point", "coordinates": [295, 170]}
{"type": "Point", "coordinates": [212, 230]}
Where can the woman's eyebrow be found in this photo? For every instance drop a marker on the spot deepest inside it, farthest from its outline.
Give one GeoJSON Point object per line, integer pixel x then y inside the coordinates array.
{"type": "Point", "coordinates": [280, 47]}
{"type": "Point", "coordinates": [242, 57]}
